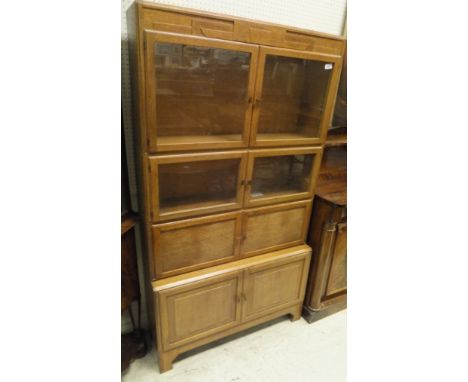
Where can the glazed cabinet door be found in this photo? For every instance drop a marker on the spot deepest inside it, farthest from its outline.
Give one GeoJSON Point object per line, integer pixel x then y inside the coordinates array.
{"type": "Point", "coordinates": [199, 92]}
{"type": "Point", "coordinates": [187, 245]}
{"type": "Point", "coordinates": [276, 227]}
{"type": "Point", "coordinates": [294, 95]}
{"type": "Point", "coordinates": [199, 309]}
{"type": "Point", "coordinates": [185, 185]}
{"type": "Point", "coordinates": [274, 286]}
{"type": "Point", "coordinates": [281, 175]}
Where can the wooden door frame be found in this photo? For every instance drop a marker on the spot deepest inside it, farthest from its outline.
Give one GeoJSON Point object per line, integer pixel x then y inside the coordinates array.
{"type": "Point", "coordinates": [336, 60]}
{"type": "Point", "coordinates": [151, 37]}
{"type": "Point", "coordinates": [155, 161]}
{"type": "Point", "coordinates": [253, 154]}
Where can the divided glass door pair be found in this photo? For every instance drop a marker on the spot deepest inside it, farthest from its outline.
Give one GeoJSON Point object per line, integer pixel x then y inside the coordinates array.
{"type": "Point", "coordinates": [209, 94]}
{"type": "Point", "coordinates": [185, 185]}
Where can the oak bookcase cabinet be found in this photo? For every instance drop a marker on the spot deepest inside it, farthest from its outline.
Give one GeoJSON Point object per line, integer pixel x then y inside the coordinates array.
{"type": "Point", "coordinates": [232, 115]}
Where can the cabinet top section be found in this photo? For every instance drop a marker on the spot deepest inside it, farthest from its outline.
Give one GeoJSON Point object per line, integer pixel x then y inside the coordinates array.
{"type": "Point", "coordinates": [189, 21]}
{"type": "Point", "coordinates": [239, 265]}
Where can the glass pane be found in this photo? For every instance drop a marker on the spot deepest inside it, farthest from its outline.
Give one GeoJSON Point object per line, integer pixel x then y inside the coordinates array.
{"type": "Point", "coordinates": [197, 184]}
{"type": "Point", "coordinates": [293, 96]}
{"type": "Point", "coordinates": [200, 91]}
{"type": "Point", "coordinates": [281, 175]}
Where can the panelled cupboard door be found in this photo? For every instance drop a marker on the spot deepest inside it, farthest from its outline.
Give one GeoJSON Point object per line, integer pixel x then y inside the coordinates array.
{"type": "Point", "coordinates": [294, 95]}
{"type": "Point", "coordinates": [281, 175]}
{"type": "Point", "coordinates": [184, 185]}
{"type": "Point", "coordinates": [199, 92]}
{"type": "Point", "coordinates": [187, 245]}
{"type": "Point", "coordinates": [271, 228]}
{"type": "Point", "coordinates": [274, 286]}
{"type": "Point", "coordinates": [199, 309]}
{"type": "Point", "coordinates": [336, 282]}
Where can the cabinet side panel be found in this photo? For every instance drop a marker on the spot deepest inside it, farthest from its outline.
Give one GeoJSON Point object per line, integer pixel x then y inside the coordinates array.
{"type": "Point", "coordinates": [136, 71]}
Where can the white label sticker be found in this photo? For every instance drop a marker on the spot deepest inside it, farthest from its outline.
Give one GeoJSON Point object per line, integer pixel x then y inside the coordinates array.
{"type": "Point", "coordinates": [328, 66]}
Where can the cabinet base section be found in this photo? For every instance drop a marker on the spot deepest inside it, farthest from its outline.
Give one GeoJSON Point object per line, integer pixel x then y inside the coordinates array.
{"type": "Point", "coordinates": [166, 358]}
{"type": "Point", "coordinates": [316, 315]}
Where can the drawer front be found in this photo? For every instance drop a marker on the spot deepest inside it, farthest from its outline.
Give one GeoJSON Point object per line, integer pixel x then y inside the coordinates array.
{"type": "Point", "coordinates": [271, 228]}
{"type": "Point", "coordinates": [199, 309]}
{"type": "Point", "coordinates": [274, 286]}
{"type": "Point", "coordinates": [192, 244]}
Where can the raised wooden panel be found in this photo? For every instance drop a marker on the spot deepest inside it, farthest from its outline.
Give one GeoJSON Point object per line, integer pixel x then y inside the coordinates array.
{"type": "Point", "coordinates": [199, 309]}
{"type": "Point", "coordinates": [273, 286]}
{"type": "Point", "coordinates": [186, 245]}
{"type": "Point", "coordinates": [338, 269]}
{"type": "Point", "coordinates": [271, 228]}
{"type": "Point", "coordinates": [184, 185]}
